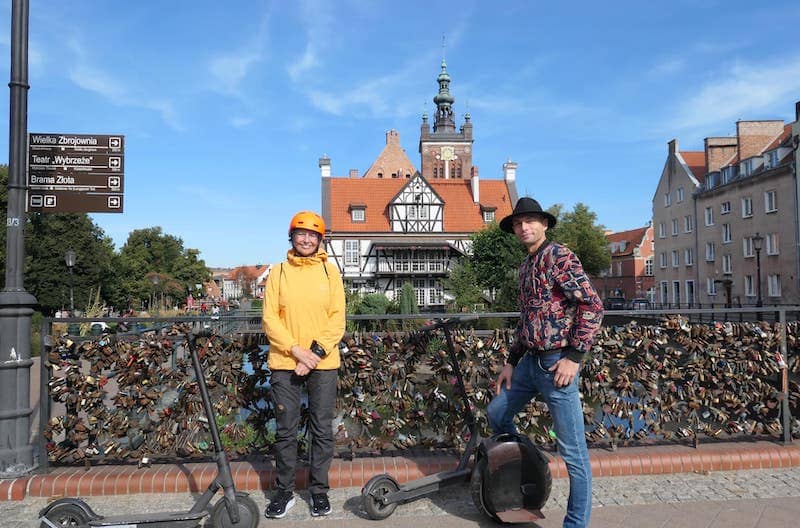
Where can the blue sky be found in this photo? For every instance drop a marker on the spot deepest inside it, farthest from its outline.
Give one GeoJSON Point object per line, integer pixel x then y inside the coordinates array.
{"type": "Point", "coordinates": [227, 106]}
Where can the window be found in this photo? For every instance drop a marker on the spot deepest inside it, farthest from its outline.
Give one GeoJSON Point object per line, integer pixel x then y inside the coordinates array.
{"type": "Point", "coordinates": [676, 292]}
{"type": "Point", "coordinates": [727, 269]}
{"type": "Point", "coordinates": [674, 227]}
{"type": "Point", "coordinates": [726, 234]}
{"type": "Point", "coordinates": [711, 286]}
{"type": "Point", "coordinates": [619, 269]}
{"type": "Point", "coordinates": [710, 256]}
{"type": "Point", "coordinates": [747, 207]}
{"type": "Point", "coordinates": [357, 214]}
{"type": "Point", "coordinates": [688, 224]}
{"type": "Point", "coordinates": [749, 289]}
{"type": "Point", "coordinates": [351, 253]}
{"type": "Point", "coordinates": [419, 290]}
{"type": "Point", "coordinates": [679, 194]}
{"type": "Point", "coordinates": [662, 231]}
{"type": "Point", "coordinates": [746, 167]}
{"type": "Point", "coordinates": [648, 267]}
{"type": "Point", "coordinates": [747, 247]}
{"type": "Point", "coordinates": [770, 202]}
{"type": "Point", "coordinates": [725, 208]}
{"type": "Point", "coordinates": [690, 292]}
{"type": "Point", "coordinates": [772, 243]}
{"type": "Point", "coordinates": [662, 260]}
{"type": "Point", "coordinates": [773, 285]}
{"type": "Point", "coordinates": [729, 173]}
{"type": "Point", "coordinates": [772, 159]}
{"type": "Point", "coordinates": [674, 258]}
{"type": "Point", "coordinates": [664, 292]}
{"type": "Point", "coordinates": [709, 216]}
{"type": "Point", "coordinates": [488, 216]}
{"type": "Point", "coordinates": [667, 200]}
{"type": "Point", "coordinates": [688, 256]}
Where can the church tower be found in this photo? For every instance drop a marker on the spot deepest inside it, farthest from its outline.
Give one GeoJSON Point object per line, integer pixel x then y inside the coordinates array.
{"type": "Point", "coordinates": [446, 153]}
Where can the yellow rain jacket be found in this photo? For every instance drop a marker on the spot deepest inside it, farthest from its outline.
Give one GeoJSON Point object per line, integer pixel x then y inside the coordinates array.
{"type": "Point", "coordinates": [303, 303]}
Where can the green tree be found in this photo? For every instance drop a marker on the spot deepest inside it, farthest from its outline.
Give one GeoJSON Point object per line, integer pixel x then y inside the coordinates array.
{"type": "Point", "coordinates": [408, 299]}
{"type": "Point", "coordinates": [47, 238]}
{"type": "Point", "coordinates": [150, 251]}
{"type": "Point", "coordinates": [463, 286]}
{"type": "Point", "coordinates": [495, 260]}
{"type": "Point", "coordinates": [579, 231]}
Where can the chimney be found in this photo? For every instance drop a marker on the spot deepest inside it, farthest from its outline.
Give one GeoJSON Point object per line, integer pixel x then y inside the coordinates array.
{"type": "Point", "coordinates": [673, 146]}
{"type": "Point", "coordinates": [325, 166]}
{"type": "Point", "coordinates": [354, 173]}
{"type": "Point", "coordinates": [510, 171]}
{"type": "Point", "coordinates": [797, 111]}
{"type": "Point", "coordinates": [475, 185]}
{"type": "Point", "coordinates": [393, 137]}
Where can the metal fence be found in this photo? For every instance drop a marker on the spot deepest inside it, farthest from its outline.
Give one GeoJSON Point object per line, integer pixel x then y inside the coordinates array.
{"type": "Point", "coordinates": [653, 376]}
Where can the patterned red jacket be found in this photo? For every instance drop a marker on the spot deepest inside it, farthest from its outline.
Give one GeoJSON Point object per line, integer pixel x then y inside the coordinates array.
{"type": "Point", "coordinates": [559, 307]}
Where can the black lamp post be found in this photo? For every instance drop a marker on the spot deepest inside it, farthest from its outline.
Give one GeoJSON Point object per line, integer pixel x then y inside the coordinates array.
{"type": "Point", "coordinates": [757, 241]}
{"type": "Point", "coordinates": [69, 260]}
{"type": "Point", "coordinates": [154, 278]}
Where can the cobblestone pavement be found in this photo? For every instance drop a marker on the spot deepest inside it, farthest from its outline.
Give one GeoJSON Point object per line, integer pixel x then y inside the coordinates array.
{"type": "Point", "coordinates": [748, 498]}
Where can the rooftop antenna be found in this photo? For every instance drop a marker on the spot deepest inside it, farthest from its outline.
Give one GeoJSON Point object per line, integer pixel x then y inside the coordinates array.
{"type": "Point", "coordinates": [443, 46]}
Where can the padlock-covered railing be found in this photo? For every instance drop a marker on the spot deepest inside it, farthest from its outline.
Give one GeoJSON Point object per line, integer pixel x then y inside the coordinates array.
{"type": "Point", "coordinates": [130, 393]}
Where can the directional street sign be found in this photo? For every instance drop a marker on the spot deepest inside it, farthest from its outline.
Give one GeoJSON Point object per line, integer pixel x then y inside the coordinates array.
{"type": "Point", "coordinates": [62, 201]}
{"type": "Point", "coordinates": [75, 173]}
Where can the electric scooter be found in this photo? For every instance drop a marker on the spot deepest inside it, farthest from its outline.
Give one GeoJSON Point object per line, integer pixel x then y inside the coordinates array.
{"type": "Point", "coordinates": [510, 480]}
{"type": "Point", "coordinates": [234, 510]}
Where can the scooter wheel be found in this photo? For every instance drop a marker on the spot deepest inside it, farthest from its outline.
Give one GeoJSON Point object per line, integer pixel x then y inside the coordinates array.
{"type": "Point", "coordinates": [249, 515]}
{"type": "Point", "coordinates": [66, 515]}
{"type": "Point", "coordinates": [476, 488]}
{"type": "Point", "coordinates": [377, 487]}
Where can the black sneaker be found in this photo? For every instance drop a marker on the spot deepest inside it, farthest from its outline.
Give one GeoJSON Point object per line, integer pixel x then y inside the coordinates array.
{"type": "Point", "coordinates": [280, 504]}
{"type": "Point", "coordinates": [320, 505]}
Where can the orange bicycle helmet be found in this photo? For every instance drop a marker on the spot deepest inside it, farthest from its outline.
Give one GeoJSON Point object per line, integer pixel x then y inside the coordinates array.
{"type": "Point", "coordinates": [307, 220]}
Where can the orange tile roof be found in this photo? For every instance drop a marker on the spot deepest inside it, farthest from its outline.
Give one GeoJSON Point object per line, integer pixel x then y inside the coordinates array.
{"type": "Point", "coordinates": [696, 160]}
{"type": "Point", "coordinates": [461, 214]}
{"type": "Point", "coordinates": [633, 237]}
{"type": "Point", "coordinates": [787, 131]}
{"type": "Point", "coordinates": [249, 272]}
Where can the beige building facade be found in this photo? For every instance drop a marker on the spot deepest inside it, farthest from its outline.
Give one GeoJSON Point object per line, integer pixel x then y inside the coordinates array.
{"type": "Point", "coordinates": [726, 220]}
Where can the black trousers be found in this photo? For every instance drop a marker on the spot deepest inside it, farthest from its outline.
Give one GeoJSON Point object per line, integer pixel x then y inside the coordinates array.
{"type": "Point", "coordinates": [287, 389]}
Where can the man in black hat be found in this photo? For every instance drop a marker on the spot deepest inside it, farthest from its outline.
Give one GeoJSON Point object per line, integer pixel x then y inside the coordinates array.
{"type": "Point", "coordinates": [560, 313]}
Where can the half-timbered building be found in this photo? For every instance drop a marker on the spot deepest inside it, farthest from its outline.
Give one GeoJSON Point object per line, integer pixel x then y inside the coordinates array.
{"type": "Point", "coordinates": [398, 224]}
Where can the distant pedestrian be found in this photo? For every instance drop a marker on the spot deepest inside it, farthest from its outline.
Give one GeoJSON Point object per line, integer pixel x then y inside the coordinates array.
{"type": "Point", "coordinates": [560, 313]}
{"type": "Point", "coordinates": [304, 318]}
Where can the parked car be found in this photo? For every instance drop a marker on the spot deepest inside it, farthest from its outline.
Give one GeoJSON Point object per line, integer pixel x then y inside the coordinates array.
{"type": "Point", "coordinates": [614, 303]}
{"type": "Point", "coordinates": [640, 303]}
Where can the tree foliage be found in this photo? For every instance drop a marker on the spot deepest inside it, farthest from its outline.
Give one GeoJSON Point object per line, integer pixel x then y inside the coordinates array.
{"type": "Point", "coordinates": [408, 299]}
{"type": "Point", "coordinates": [579, 231]}
{"type": "Point", "coordinates": [495, 259]}
{"type": "Point", "coordinates": [462, 284]}
{"type": "Point", "coordinates": [150, 250]}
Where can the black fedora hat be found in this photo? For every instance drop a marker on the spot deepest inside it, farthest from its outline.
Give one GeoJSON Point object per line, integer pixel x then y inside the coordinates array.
{"type": "Point", "coordinates": [526, 206]}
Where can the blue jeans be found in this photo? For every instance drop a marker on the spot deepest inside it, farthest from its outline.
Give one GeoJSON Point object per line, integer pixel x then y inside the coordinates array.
{"type": "Point", "coordinates": [530, 378]}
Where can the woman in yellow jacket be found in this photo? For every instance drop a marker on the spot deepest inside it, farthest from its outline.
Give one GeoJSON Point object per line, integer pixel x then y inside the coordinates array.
{"type": "Point", "coordinates": [304, 318]}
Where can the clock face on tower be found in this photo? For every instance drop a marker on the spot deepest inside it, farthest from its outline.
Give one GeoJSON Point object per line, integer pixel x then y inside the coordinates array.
{"type": "Point", "coordinates": [448, 153]}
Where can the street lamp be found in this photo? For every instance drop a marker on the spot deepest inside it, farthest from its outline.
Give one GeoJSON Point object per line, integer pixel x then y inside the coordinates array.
{"type": "Point", "coordinates": [757, 241]}
{"type": "Point", "coordinates": [154, 278]}
{"type": "Point", "coordinates": [69, 260]}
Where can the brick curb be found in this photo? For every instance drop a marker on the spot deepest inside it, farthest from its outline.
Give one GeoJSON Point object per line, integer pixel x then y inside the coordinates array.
{"type": "Point", "coordinates": [255, 476]}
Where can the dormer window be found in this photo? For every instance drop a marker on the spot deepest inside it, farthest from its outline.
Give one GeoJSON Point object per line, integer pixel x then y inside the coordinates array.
{"type": "Point", "coordinates": [488, 213]}
{"type": "Point", "coordinates": [729, 173]}
{"type": "Point", "coordinates": [358, 213]}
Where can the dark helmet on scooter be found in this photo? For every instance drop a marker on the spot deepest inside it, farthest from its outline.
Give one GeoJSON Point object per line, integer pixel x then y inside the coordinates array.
{"type": "Point", "coordinates": [511, 480]}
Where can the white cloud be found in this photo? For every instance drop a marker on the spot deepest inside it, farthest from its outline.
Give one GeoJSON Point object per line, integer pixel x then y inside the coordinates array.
{"type": "Point", "coordinates": [741, 91]}
{"type": "Point", "coordinates": [668, 66]}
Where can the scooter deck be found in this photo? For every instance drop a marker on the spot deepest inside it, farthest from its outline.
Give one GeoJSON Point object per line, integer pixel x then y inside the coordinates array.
{"type": "Point", "coordinates": [181, 519]}
{"type": "Point", "coordinates": [426, 485]}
